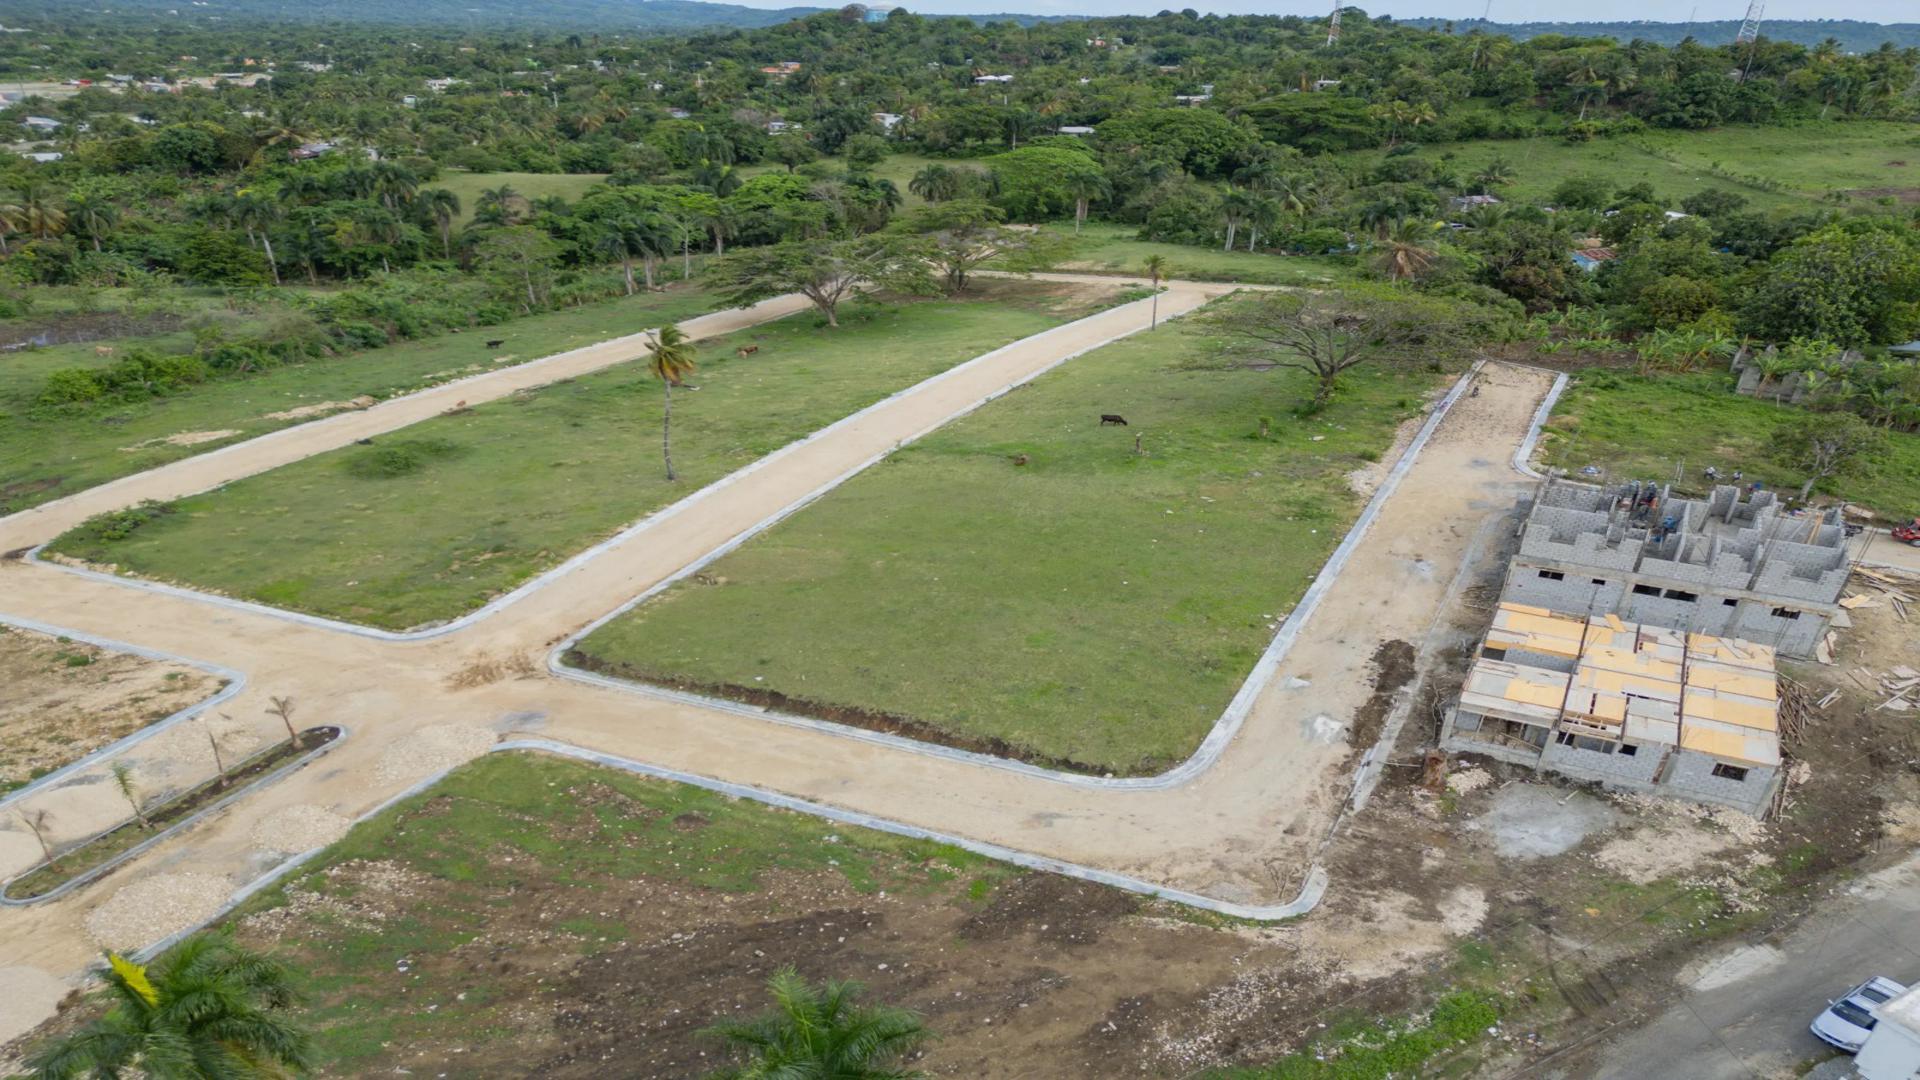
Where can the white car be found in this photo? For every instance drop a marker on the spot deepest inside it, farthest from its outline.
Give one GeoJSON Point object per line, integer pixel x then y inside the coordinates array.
{"type": "Point", "coordinates": [1849, 1019]}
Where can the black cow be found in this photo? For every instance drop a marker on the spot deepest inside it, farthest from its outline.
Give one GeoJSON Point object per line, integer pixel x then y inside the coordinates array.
{"type": "Point", "coordinates": [1112, 418]}
{"type": "Point", "coordinates": [496, 343]}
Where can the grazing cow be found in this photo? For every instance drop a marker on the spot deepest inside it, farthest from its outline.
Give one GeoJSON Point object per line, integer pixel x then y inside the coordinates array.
{"type": "Point", "coordinates": [1112, 418]}
{"type": "Point", "coordinates": [496, 343]}
{"type": "Point", "coordinates": [1020, 459]}
{"type": "Point", "coordinates": [103, 350]}
{"type": "Point", "coordinates": [364, 442]}
{"type": "Point", "coordinates": [746, 350]}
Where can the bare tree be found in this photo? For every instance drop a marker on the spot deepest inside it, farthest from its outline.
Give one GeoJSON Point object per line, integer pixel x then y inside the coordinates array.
{"type": "Point", "coordinates": [123, 780]}
{"type": "Point", "coordinates": [282, 707]}
{"type": "Point", "coordinates": [1327, 334]}
{"type": "Point", "coordinates": [37, 823]}
{"type": "Point", "coordinates": [1827, 445]}
{"type": "Point", "coordinates": [213, 740]}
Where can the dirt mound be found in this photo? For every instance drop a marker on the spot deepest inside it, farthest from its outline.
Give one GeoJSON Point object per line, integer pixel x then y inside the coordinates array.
{"type": "Point", "coordinates": [1057, 910]}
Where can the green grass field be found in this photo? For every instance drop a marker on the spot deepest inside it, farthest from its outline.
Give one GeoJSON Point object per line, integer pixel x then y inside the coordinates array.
{"type": "Point", "coordinates": [1670, 428]}
{"type": "Point", "coordinates": [1104, 247]}
{"type": "Point", "coordinates": [494, 833]}
{"type": "Point", "coordinates": [898, 168]}
{"type": "Point", "coordinates": [46, 457]}
{"type": "Point", "coordinates": [1808, 162]}
{"type": "Point", "coordinates": [436, 519]}
{"type": "Point", "coordinates": [1091, 608]}
{"type": "Point", "coordinates": [468, 186]}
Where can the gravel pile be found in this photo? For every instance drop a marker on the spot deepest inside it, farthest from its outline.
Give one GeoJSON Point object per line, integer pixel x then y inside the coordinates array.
{"type": "Point", "coordinates": [301, 827]}
{"type": "Point", "coordinates": [432, 749]}
{"type": "Point", "coordinates": [148, 910]}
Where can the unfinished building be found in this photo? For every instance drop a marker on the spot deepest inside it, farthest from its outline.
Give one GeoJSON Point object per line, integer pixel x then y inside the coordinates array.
{"type": "Point", "coordinates": [1640, 708]}
{"type": "Point", "coordinates": [1730, 565]}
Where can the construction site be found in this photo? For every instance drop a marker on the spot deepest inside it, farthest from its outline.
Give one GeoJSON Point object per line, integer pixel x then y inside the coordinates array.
{"type": "Point", "coordinates": [1733, 565]}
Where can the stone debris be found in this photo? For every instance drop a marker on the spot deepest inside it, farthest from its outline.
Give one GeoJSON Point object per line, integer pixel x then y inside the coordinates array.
{"type": "Point", "coordinates": [1469, 780]}
{"type": "Point", "coordinates": [432, 749]}
{"type": "Point", "coordinates": [150, 909]}
{"type": "Point", "coordinates": [298, 828]}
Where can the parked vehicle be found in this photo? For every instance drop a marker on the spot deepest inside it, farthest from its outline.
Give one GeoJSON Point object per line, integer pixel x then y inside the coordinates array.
{"type": "Point", "coordinates": [1849, 1019]}
{"type": "Point", "coordinates": [1908, 533]}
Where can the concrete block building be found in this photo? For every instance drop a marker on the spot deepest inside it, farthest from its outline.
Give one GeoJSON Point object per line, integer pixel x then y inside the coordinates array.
{"type": "Point", "coordinates": [1638, 708]}
{"type": "Point", "coordinates": [1732, 565]}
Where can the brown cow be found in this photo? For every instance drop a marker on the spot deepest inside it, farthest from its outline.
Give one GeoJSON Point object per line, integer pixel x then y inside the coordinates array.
{"type": "Point", "coordinates": [746, 350]}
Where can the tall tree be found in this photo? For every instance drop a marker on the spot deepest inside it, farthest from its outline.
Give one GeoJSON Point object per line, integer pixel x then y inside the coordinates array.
{"type": "Point", "coordinates": [670, 359]}
{"type": "Point", "coordinates": [827, 272]}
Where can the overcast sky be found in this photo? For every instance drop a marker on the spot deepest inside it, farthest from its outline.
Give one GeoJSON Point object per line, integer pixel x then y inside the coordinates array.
{"type": "Point", "coordinates": [1503, 10]}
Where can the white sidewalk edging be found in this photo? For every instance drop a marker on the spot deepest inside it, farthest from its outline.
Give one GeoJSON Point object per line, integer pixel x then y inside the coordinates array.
{"type": "Point", "coordinates": [235, 682]}
{"type": "Point", "coordinates": [1523, 457]}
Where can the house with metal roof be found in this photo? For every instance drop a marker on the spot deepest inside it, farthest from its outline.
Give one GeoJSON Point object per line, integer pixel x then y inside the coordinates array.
{"type": "Point", "coordinates": [1635, 707]}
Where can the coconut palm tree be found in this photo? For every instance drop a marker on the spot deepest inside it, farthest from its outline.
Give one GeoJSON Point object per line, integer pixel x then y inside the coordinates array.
{"type": "Point", "coordinates": [1406, 249]}
{"type": "Point", "coordinates": [1496, 173]}
{"type": "Point", "coordinates": [41, 209]}
{"type": "Point", "coordinates": [93, 214]}
{"type": "Point", "coordinates": [1085, 186]}
{"type": "Point", "coordinates": [257, 214]}
{"type": "Point", "coordinates": [935, 183]}
{"type": "Point", "coordinates": [502, 204]}
{"type": "Point", "coordinates": [1156, 267]}
{"type": "Point", "coordinates": [670, 359]}
{"type": "Point", "coordinates": [208, 1008]}
{"type": "Point", "coordinates": [821, 1032]}
{"type": "Point", "coordinates": [1263, 213]}
{"type": "Point", "coordinates": [440, 206]}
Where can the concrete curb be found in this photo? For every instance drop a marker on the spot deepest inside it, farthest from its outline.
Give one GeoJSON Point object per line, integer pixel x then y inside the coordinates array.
{"type": "Point", "coordinates": [627, 533]}
{"type": "Point", "coordinates": [1523, 457]}
{"type": "Point", "coordinates": [1211, 748]}
{"type": "Point", "coordinates": [177, 827]}
{"type": "Point", "coordinates": [235, 683]}
{"type": "Point", "coordinates": [1310, 892]}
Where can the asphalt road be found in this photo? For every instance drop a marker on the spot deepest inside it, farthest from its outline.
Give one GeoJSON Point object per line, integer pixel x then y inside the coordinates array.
{"type": "Point", "coordinates": [1881, 549]}
{"type": "Point", "coordinates": [1747, 1015]}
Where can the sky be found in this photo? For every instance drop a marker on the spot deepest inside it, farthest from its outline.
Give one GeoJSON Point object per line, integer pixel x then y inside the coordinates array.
{"type": "Point", "coordinates": [1502, 10]}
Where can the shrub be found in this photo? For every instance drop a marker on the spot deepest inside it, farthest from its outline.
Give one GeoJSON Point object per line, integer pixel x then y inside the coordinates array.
{"type": "Point", "coordinates": [70, 386]}
{"type": "Point", "coordinates": [119, 524]}
{"type": "Point", "coordinates": [400, 458]}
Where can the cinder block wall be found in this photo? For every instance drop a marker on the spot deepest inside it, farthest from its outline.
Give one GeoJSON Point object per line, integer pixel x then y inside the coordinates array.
{"type": "Point", "coordinates": [1691, 776]}
{"type": "Point", "coordinates": [1635, 770]}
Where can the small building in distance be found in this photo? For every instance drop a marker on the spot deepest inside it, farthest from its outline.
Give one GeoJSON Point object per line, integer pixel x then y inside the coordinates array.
{"type": "Point", "coordinates": [1634, 707]}
{"type": "Point", "coordinates": [1732, 564]}
{"type": "Point", "coordinates": [1589, 259]}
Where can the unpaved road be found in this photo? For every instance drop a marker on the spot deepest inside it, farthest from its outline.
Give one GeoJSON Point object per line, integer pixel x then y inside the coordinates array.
{"type": "Point", "coordinates": [1245, 829]}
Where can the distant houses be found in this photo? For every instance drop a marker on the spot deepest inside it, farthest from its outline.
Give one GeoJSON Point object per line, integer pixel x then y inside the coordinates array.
{"type": "Point", "coordinates": [1590, 259]}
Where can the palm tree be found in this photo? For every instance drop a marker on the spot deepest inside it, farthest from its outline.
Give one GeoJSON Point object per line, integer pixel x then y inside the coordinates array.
{"type": "Point", "coordinates": [1236, 207]}
{"type": "Point", "coordinates": [92, 213]}
{"type": "Point", "coordinates": [1406, 249]}
{"type": "Point", "coordinates": [440, 206]}
{"type": "Point", "coordinates": [670, 358]}
{"type": "Point", "coordinates": [502, 204]}
{"type": "Point", "coordinates": [821, 1032]}
{"type": "Point", "coordinates": [935, 183]}
{"type": "Point", "coordinates": [257, 214]}
{"type": "Point", "coordinates": [1156, 267]}
{"type": "Point", "coordinates": [40, 209]}
{"type": "Point", "coordinates": [1263, 213]}
{"type": "Point", "coordinates": [1086, 186]}
{"type": "Point", "coordinates": [1497, 172]}
{"type": "Point", "coordinates": [207, 1008]}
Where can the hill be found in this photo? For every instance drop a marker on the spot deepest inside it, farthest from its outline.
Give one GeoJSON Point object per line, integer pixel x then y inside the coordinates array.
{"type": "Point", "coordinates": [1852, 34]}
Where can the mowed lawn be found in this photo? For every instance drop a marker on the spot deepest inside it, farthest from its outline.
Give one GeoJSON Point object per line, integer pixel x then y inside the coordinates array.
{"type": "Point", "coordinates": [1807, 162]}
{"type": "Point", "coordinates": [432, 521]}
{"type": "Point", "coordinates": [1091, 609]}
{"type": "Point", "coordinates": [468, 186]}
{"type": "Point", "coordinates": [1107, 248]}
{"type": "Point", "coordinates": [45, 457]}
{"type": "Point", "coordinates": [1670, 428]}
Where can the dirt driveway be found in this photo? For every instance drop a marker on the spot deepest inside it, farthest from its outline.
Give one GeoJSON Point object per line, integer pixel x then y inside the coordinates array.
{"type": "Point", "coordinates": [1246, 829]}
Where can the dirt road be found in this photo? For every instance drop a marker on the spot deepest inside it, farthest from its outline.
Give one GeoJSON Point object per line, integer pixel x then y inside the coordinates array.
{"type": "Point", "coordinates": [1245, 829]}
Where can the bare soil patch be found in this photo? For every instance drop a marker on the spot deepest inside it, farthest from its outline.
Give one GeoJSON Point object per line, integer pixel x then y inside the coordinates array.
{"type": "Point", "coordinates": [1904, 194]}
{"type": "Point", "coordinates": [65, 699]}
{"type": "Point", "coordinates": [324, 408]}
{"type": "Point", "coordinates": [184, 438]}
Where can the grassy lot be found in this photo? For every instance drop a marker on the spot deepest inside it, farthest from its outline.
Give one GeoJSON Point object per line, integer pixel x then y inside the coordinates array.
{"type": "Point", "coordinates": [1093, 608]}
{"type": "Point", "coordinates": [482, 861]}
{"type": "Point", "coordinates": [1807, 162]}
{"type": "Point", "coordinates": [44, 458]}
{"type": "Point", "coordinates": [898, 168]}
{"type": "Point", "coordinates": [468, 186]}
{"type": "Point", "coordinates": [1655, 427]}
{"type": "Point", "coordinates": [517, 485]}
{"type": "Point", "coordinates": [1103, 247]}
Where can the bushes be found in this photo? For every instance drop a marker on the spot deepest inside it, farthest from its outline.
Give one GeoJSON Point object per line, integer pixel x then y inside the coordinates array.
{"type": "Point", "coordinates": [400, 458]}
{"type": "Point", "coordinates": [139, 374]}
{"type": "Point", "coordinates": [120, 524]}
